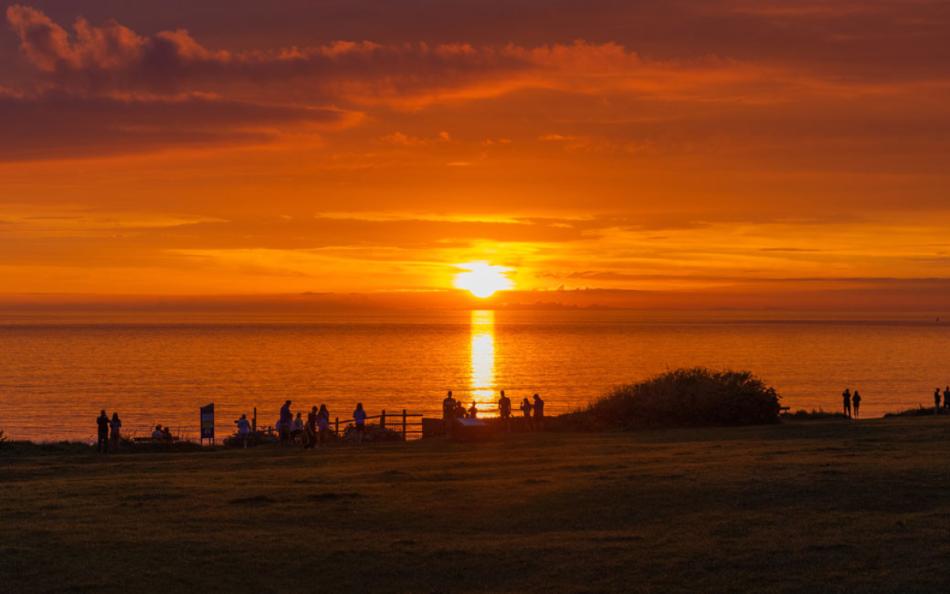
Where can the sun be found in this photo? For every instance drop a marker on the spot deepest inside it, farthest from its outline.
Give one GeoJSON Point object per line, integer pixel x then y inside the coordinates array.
{"type": "Point", "coordinates": [482, 279]}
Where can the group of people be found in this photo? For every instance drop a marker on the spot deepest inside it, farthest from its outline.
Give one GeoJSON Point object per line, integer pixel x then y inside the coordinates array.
{"type": "Point", "coordinates": [162, 434]}
{"type": "Point", "coordinates": [946, 399]}
{"type": "Point", "coordinates": [109, 431]}
{"type": "Point", "coordinates": [312, 432]}
{"type": "Point", "coordinates": [531, 410]}
{"type": "Point", "coordinates": [851, 403]}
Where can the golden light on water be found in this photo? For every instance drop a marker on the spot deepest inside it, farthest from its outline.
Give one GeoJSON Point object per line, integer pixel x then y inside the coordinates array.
{"type": "Point", "coordinates": [482, 279]}
{"type": "Point", "coordinates": [483, 356]}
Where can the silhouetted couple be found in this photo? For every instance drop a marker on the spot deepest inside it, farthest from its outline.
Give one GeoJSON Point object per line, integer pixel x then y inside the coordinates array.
{"type": "Point", "coordinates": [105, 428]}
{"type": "Point", "coordinates": [533, 412]}
{"type": "Point", "coordinates": [851, 403]}
{"type": "Point", "coordinates": [946, 399]}
{"type": "Point", "coordinates": [318, 426]}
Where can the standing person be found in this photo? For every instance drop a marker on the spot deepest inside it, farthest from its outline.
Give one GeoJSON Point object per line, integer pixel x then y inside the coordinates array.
{"type": "Point", "coordinates": [936, 401]}
{"type": "Point", "coordinates": [102, 446]}
{"type": "Point", "coordinates": [311, 440]}
{"type": "Point", "coordinates": [359, 417]}
{"type": "Point", "coordinates": [448, 414]}
{"type": "Point", "coordinates": [297, 431]}
{"type": "Point", "coordinates": [946, 397]}
{"type": "Point", "coordinates": [243, 429]}
{"type": "Point", "coordinates": [115, 426]}
{"type": "Point", "coordinates": [504, 411]}
{"type": "Point", "coordinates": [526, 412]}
{"type": "Point", "coordinates": [846, 402]}
{"type": "Point", "coordinates": [538, 413]}
{"type": "Point", "coordinates": [323, 423]}
{"type": "Point", "coordinates": [856, 400]}
{"type": "Point", "coordinates": [473, 411]}
{"type": "Point", "coordinates": [284, 422]}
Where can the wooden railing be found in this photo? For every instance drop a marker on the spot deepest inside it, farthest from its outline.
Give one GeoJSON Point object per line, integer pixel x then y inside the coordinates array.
{"type": "Point", "coordinates": [404, 422]}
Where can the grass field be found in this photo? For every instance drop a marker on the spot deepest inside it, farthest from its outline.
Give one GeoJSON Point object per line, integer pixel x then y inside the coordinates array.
{"type": "Point", "coordinates": [799, 507]}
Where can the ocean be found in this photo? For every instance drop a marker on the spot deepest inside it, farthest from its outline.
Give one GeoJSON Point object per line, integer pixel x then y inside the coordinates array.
{"type": "Point", "coordinates": [57, 372]}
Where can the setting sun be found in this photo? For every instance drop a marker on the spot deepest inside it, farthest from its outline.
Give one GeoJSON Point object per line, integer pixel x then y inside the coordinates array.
{"type": "Point", "coordinates": [482, 279]}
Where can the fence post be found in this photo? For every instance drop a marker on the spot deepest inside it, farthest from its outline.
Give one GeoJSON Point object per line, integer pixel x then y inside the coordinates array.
{"type": "Point", "coordinates": [382, 420]}
{"type": "Point", "coordinates": [404, 424]}
{"type": "Point", "coordinates": [338, 426]}
{"type": "Point", "coordinates": [254, 421]}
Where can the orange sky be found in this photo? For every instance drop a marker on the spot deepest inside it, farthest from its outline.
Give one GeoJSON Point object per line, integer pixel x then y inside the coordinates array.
{"type": "Point", "coordinates": [777, 153]}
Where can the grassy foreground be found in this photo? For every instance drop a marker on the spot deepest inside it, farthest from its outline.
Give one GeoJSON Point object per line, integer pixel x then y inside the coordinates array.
{"type": "Point", "coordinates": [798, 507]}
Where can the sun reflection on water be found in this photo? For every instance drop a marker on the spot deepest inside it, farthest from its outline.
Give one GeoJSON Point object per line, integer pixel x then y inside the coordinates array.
{"type": "Point", "coordinates": [483, 357]}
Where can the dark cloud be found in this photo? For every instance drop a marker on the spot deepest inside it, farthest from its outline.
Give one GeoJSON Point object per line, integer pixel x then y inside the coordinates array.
{"type": "Point", "coordinates": [56, 124]}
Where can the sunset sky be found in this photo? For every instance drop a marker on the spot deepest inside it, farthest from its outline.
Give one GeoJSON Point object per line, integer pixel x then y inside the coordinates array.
{"type": "Point", "coordinates": [797, 151]}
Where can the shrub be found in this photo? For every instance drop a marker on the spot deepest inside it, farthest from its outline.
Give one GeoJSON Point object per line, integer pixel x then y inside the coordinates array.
{"type": "Point", "coordinates": [688, 398]}
{"type": "Point", "coordinates": [920, 411]}
{"type": "Point", "coordinates": [813, 415]}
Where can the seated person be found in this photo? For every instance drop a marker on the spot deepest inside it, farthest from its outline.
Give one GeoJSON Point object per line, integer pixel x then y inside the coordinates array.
{"type": "Point", "coordinates": [167, 434]}
{"type": "Point", "coordinates": [158, 434]}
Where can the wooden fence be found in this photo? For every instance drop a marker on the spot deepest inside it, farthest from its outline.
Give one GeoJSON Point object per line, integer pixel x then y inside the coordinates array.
{"type": "Point", "coordinates": [404, 422]}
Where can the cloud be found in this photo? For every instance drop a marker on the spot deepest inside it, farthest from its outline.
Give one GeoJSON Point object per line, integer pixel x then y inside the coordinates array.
{"type": "Point", "coordinates": [56, 124]}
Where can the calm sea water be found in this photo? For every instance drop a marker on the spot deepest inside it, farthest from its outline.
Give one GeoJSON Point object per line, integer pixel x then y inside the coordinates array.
{"type": "Point", "coordinates": [55, 374]}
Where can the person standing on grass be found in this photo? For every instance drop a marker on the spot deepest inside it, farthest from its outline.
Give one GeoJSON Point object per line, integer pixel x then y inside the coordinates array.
{"type": "Point", "coordinates": [243, 429]}
{"type": "Point", "coordinates": [504, 411]}
{"type": "Point", "coordinates": [297, 431]}
{"type": "Point", "coordinates": [102, 423]}
{"type": "Point", "coordinates": [359, 418]}
{"type": "Point", "coordinates": [448, 413]}
{"type": "Point", "coordinates": [526, 412]}
{"type": "Point", "coordinates": [323, 423]}
{"type": "Point", "coordinates": [115, 427]}
{"type": "Point", "coordinates": [936, 401]}
{"type": "Point", "coordinates": [538, 413]}
{"type": "Point", "coordinates": [846, 402]}
{"type": "Point", "coordinates": [856, 400]}
{"type": "Point", "coordinates": [285, 421]}
{"type": "Point", "coordinates": [311, 440]}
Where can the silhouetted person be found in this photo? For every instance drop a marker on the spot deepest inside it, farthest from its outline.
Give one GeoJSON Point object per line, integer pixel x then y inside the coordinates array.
{"type": "Point", "coordinates": [359, 418]}
{"type": "Point", "coordinates": [297, 430]}
{"type": "Point", "coordinates": [285, 421]}
{"type": "Point", "coordinates": [158, 434]}
{"type": "Point", "coordinates": [459, 410]}
{"type": "Point", "coordinates": [856, 403]}
{"type": "Point", "coordinates": [243, 429]}
{"type": "Point", "coordinates": [323, 423]}
{"type": "Point", "coordinates": [448, 413]}
{"type": "Point", "coordinates": [538, 412]}
{"type": "Point", "coordinates": [167, 434]}
{"type": "Point", "coordinates": [102, 423]}
{"type": "Point", "coordinates": [946, 397]}
{"type": "Point", "coordinates": [473, 411]}
{"type": "Point", "coordinates": [311, 428]}
{"type": "Point", "coordinates": [936, 401]}
{"type": "Point", "coordinates": [846, 402]}
{"type": "Point", "coordinates": [526, 412]}
{"type": "Point", "coordinates": [115, 431]}
{"type": "Point", "coordinates": [504, 411]}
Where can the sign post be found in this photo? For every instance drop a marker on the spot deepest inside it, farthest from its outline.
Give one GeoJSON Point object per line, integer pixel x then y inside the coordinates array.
{"type": "Point", "coordinates": [207, 423]}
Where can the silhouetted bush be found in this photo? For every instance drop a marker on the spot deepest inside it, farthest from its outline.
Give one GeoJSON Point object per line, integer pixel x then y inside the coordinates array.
{"type": "Point", "coordinates": [814, 415]}
{"type": "Point", "coordinates": [686, 398]}
{"type": "Point", "coordinates": [920, 411]}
